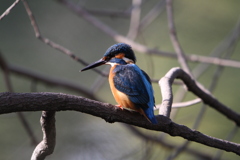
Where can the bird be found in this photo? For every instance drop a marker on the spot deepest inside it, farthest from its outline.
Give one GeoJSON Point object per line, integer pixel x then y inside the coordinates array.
{"type": "Point", "coordinates": [131, 87]}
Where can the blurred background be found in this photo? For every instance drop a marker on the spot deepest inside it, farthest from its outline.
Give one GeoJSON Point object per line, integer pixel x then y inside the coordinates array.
{"type": "Point", "coordinates": [206, 28]}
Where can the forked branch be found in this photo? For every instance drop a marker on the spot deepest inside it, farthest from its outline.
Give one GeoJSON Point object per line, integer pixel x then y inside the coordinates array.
{"type": "Point", "coordinates": [197, 89]}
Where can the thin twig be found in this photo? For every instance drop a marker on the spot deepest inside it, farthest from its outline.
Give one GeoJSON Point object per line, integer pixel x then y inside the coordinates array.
{"type": "Point", "coordinates": [152, 15]}
{"type": "Point", "coordinates": [173, 35]}
{"type": "Point", "coordinates": [135, 19]}
{"type": "Point", "coordinates": [110, 13]}
{"type": "Point", "coordinates": [142, 48]}
{"type": "Point", "coordinates": [230, 39]}
{"type": "Point", "coordinates": [99, 82]}
{"type": "Point", "coordinates": [183, 104]}
{"type": "Point", "coordinates": [164, 143]}
{"type": "Point", "coordinates": [27, 128]}
{"type": "Point", "coordinates": [51, 81]}
{"type": "Point", "coordinates": [51, 43]}
{"type": "Point", "coordinates": [5, 68]}
{"type": "Point", "coordinates": [228, 138]}
{"type": "Point", "coordinates": [9, 9]}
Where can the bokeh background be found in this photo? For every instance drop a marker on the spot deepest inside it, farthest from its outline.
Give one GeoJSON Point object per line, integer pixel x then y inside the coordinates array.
{"type": "Point", "coordinates": [203, 27]}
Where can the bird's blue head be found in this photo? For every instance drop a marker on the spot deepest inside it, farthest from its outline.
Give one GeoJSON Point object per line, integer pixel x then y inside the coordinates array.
{"type": "Point", "coordinates": [120, 51]}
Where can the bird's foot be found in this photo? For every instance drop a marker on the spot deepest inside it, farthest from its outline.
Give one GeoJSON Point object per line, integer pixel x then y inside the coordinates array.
{"type": "Point", "coordinates": [118, 105]}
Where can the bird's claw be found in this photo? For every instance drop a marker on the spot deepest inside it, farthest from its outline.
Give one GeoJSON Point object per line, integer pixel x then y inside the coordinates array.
{"type": "Point", "coordinates": [118, 105]}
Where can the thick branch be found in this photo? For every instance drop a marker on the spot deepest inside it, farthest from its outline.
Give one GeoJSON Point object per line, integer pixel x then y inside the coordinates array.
{"type": "Point", "coordinates": [46, 146]}
{"type": "Point", "coordinates": [195, 88]}
{"type": "Point", "coordinates": [16, 102]}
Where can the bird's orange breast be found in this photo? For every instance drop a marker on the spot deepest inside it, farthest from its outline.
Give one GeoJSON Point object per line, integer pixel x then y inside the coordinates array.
{"type": "Point", "coordinates": [120, 97]}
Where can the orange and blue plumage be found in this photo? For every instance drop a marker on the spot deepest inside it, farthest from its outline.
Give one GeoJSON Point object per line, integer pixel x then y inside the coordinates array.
{"type": "Point", "coordinates": [131, 86]}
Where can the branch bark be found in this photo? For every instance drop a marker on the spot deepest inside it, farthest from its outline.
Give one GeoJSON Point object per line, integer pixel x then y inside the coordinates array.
{"type": "Point", "coordinates": [47, 145]}
{"type": "Point", "coordinates": [16, 102]}
{"type": "Point", "coordinates": [196, 89]}
{"type": "Point", "coordinates": [167, 145]}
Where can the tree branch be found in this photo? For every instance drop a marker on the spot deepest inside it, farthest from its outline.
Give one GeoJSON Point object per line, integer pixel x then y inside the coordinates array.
{"type": "Point", "coordinates": [20, 71]}
{"type": "Point", "coordinates": [167, 145]}
{"type": "Point", "coordinates": [195, 88]}
{"type": "Point", "coordinates": [51, 43]}
{"type": "Point", "coordinates": [139, 47]}
{"type": "Point", "coordinates": [111, 13]}
{"type": "Point", "coordinates": [5, 68]}
{"type": "Point", "coordinates": [135, 19]}
{"type": "Point", "coordinates": [9, 9]}
{"type": "Point", "coordinates": [173, 35]}
{"type": "Point", "coordinates": [16, 102]}
{"type": "Point", "coordinates": [46, 146]}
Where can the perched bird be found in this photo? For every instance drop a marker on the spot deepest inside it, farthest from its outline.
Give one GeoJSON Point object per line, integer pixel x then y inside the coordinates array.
{"type": "Point", "coordinates": [131, 86]}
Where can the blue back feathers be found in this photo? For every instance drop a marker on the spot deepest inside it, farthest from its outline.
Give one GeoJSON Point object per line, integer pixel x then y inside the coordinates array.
{"type": "Point", "coordinates": [131, 80]}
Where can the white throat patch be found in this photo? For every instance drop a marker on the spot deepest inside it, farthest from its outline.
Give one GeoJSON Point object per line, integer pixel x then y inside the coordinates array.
{"type": "Point", "coordinates": [112, 64]}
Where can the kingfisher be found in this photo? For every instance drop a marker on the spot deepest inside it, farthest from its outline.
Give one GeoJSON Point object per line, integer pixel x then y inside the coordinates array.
{"type": "Point", "coordinates": [130, 86]}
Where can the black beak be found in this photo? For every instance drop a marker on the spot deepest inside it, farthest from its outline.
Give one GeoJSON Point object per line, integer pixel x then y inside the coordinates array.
{"type": "Point", "coordinates": [95, 64]}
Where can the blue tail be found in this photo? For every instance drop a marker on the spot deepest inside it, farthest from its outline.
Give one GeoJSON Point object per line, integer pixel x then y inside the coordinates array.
{"type": "Point", "coordinates": [153, 120]}
{"type": "Point", "coordinates": [149, 113]}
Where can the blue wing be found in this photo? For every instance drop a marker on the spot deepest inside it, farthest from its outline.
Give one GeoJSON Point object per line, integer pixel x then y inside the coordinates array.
{"type": "Point", "coordinates": [135, 83]}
